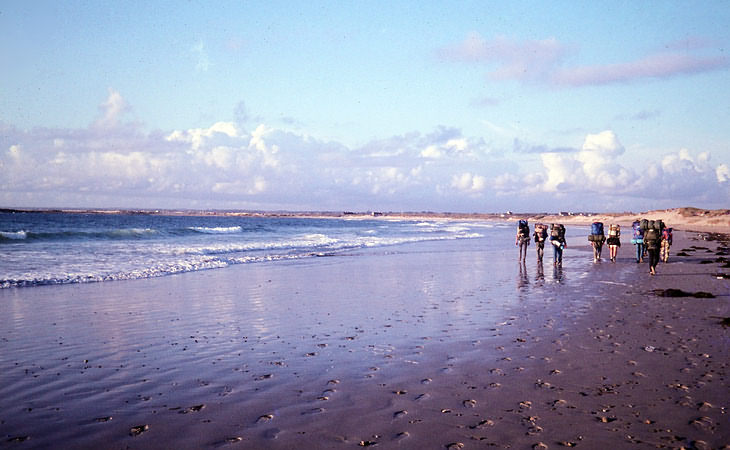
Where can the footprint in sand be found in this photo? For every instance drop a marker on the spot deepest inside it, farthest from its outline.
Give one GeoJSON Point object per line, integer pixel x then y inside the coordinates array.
{"type": "Point", "coordinates": [483, 423]}
{"type": "Point", "coordinates": [471, 403]}
{"type": "Point", "coordinates": [422, 397]}
{"type": "Point", "coordinates": [399, 414]}
{"type": "Point", "coordinates": [136, 431]}
{"type": "Point", "coordinates": [703, 423]}
{"type": "Point", "coordinates": [265, 418]}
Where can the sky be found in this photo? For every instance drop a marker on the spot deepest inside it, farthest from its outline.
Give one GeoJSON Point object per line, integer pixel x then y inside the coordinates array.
{"type": "Point", "coordinates": [451, 106]}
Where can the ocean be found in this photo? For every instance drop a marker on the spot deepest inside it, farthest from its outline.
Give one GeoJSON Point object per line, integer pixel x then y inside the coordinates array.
{"type": "Point", "coordinates": [48, 248]}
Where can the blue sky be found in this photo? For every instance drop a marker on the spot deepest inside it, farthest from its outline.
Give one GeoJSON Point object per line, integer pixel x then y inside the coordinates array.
{"type": "Point", "coordinates": [443, 106]}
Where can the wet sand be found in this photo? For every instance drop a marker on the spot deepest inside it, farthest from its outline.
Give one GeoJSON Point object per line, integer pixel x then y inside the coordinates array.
{"type": "Point", "coordinates": [432, 345]}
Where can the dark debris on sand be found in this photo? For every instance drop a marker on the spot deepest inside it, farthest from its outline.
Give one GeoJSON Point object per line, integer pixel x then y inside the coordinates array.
{"type": "Point", "coordinates": [680, 293]}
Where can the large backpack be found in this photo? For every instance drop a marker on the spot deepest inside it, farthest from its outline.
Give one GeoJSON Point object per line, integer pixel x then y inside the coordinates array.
{"type": "Point", "coordinates": [638, 230]}
{"type": "Point", "coordinates": [652, 234]}
{"type": "Point", "coordinates": [614, 230]}
{"type": "Point", "coordinates": [597, 228]}
{"type": "Point", "coordinates": [644, 224]}
{"type": "Point", "coordinates": [667, 234]}
{"type": "Point", "coordinates": [557, 230]}
{"type": "Point", "coordinates": [523, 227]}
{"type": "Point", "coordinates": [540, 232]}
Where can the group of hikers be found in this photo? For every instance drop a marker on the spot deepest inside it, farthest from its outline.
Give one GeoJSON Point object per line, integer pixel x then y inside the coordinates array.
{"type": "Point", "coordinates": [650, 237]}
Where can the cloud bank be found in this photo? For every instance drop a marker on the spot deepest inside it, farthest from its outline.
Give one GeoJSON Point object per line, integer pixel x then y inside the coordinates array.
{"type": "Point", "coordinates": [543, 61]}
{"type": "Point", "coordinates": [113, 163]}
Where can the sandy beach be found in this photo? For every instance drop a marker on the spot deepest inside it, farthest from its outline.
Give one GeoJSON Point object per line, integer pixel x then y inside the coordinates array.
{"type": "Point", "coordinates": [431, 345]}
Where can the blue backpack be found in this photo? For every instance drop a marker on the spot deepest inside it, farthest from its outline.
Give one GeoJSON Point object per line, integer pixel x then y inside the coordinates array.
{"type": "Point", "coordinates": [597, 228]}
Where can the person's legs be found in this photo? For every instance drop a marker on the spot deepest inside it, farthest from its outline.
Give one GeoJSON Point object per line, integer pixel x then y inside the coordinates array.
{"type": "Point", "coordinates": [665, 251]}
{"type": "Point", "coordinates": [540, 250]}
{"type": "Point", "coordinates": [523, 249]}
{"type": "Point", "coordinates": [653, 260]}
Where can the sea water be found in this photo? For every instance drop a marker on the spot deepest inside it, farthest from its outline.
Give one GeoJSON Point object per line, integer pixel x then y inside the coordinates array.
{"type": "Point", "coordinates": [42, 248]}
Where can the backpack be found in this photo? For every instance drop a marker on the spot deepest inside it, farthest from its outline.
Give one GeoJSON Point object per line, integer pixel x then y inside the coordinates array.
{"type": "Point", "coordinates": [659, 224]}
{"type": "Point", "coordinates": [540, 232]}
{"type": "Point", "coordinates": [614, 230]}
{"type": "Point", "coordinates": [638, 230]}
{"type": "Point", "coordinates": [597, 228]}
{"type": "Point", "coordinates": [523, 228]}
{"type": "Point", "coordinates": [667, 234]}
{"type": "Point", "coordinates": [651, 234]}
{"type": "Point", "coordinates": [557, 230]}
{"type": "Point", "coordinates": [644, 224]}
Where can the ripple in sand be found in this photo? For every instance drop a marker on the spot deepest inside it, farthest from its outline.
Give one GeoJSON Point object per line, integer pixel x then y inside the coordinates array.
{"type": "Point", "coordinates": [703, 423]}
{"type": "Point", "coordinates": [136, 431]}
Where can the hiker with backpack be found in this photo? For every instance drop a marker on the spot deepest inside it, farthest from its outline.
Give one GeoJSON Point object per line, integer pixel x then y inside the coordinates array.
{"type": "Point", "coordinates": [638, 240]}
{"type": "Point", "coordinates": [666, 243]}
{"type": "Point", "coordinates": [540, 236]}
{"type": "Point", "coordinates": [557, 238]}
{"type": "Point", "coordinates": [614, 240]}
{"type": "Point", "coordinates": [597, 239]}
{"type": "Point", "coordinates": [523, 238]}
{"type": "Point", "coordinates": [652, 240]}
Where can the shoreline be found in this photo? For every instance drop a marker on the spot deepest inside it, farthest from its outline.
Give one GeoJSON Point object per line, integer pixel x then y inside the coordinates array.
{"type": "Point", "coordinates": [428, 345]}
{"type": "Point", "coordinates": [686, 219]}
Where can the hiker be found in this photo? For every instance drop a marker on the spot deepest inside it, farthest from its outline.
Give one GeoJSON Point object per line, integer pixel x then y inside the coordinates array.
{"type": "Point", "coordinates": [638, 240]}
{"type": "Point", "coordinates": [597, 239]}
{"type": "Point", "coordinates": [523, 238]}
{"type": "Point", "coordinates": [614, 240]}
{"type": "Point", "coordinates": [557, 238]}
{"type": "Point", "coordinates": [652, 241]}
{"type": "Point", "coordinates": [540, 236]}
{"type": "Point", "coordinates": [666, 243]}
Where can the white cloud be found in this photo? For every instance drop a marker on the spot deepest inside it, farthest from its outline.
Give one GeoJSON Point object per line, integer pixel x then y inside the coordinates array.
{"type": "Point", "coordinates": [112, 110]}
{"type": "Point", "coordinates": [202, 62]}
{"type": "Point", "coordinates": [269, 168]}
{"type": "Point", "coordinates": [469, 183]}
{"type": "Point", "coordinates": [723, 173]}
